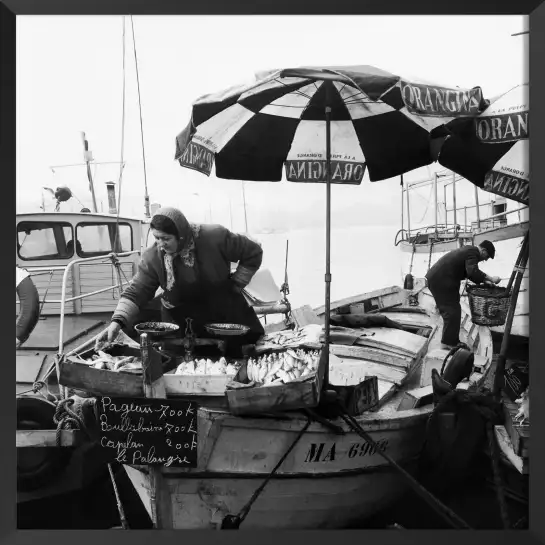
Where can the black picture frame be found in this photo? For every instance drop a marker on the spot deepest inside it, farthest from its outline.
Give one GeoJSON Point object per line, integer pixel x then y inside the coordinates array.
{"type": "Point", "coordinates": [536, 11]}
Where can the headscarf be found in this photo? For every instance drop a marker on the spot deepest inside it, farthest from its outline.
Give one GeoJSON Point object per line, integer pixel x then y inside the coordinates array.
{"type": "Point", "coordinates": [187, 233]}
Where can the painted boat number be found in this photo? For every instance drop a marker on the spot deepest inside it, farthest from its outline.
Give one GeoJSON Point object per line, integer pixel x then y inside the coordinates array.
{"type": "Point", "coordinates": [319, 452]}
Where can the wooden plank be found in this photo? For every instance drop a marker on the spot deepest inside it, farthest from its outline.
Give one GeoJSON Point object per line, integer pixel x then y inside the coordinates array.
{"type": "Point", "coordinates": [406, 318]}
{"type": "Point", "coordinates": [371, 354]}
{"type": "Point", "coordinates": [207, 385]}
{"type": "Point", "coordinates": [305, 315]}
{"type": "Point", "coordinates": [273, 328]}
{"type": "Point", "coordinates": [417, 397]}
{"type": "Point", "coordinates": [154, 387]}
{"type": "Point", "coordinates": [46, 333]}
{"type": "Point", "coordinates": [48, 438]}
{"type": "Point", "coordinates": [100, 381]}
{"type": "Point", "coordinates": [358, 298]}
{"type": "Point", "coordinates": [27, 366]}
{"type": "Point", "coordinates": [386, 390]}
{"type": "Point", "coordinates": [480, 363]}
{"type": "Point", "coordinates": [394, 340]}
{"type": "Point", "coordinates": [355, 371]}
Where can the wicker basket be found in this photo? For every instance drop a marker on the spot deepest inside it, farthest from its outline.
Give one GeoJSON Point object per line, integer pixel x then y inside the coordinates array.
{"type": "Point", "coordinates": [488, 305]}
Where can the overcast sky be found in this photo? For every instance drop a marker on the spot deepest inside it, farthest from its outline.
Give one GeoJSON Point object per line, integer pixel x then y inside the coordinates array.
{"type": "Point", "coordinates": [70, 76]}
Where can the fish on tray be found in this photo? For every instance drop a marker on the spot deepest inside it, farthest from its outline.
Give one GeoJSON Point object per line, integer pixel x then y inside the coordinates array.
{"type": "Point", "coordinates": [102, 360]}
{"type": "Point", "coordinates": [207, 367]}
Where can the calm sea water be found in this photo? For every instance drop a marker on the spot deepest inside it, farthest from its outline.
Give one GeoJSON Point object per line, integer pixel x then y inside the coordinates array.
{"type": "Point", "coordinates": [362, 259]}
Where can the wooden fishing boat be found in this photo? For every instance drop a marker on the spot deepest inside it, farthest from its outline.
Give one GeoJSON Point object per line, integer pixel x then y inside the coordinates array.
{"type": "Point", "coordinates": [45, 249]}
{"type": "Point", "coordinates": [327, 480]}
{"type": "Point", "coordinates": [78, 289]}
{"type": "Point", "coordinates": [501, 221]}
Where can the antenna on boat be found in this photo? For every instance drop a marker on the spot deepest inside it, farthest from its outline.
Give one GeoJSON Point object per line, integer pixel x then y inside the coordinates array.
{"type": "Point", "coordinates": [88, 157]}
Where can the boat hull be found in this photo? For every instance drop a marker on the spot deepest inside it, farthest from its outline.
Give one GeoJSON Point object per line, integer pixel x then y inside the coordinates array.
{"type": "Point", "coordinates": [327, 481]}
{"type": "Point", "coordinates": [299, 503]}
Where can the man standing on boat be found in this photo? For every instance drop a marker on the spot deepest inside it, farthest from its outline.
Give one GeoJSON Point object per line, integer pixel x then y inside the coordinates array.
{"type": "Point", "coordinates": [192, 264]}
{"type": "Point", "coordinates": [444, 280]}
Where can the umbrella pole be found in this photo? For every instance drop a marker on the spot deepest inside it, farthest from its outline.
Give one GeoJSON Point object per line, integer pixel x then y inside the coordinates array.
{"type": "Point", "coordinates": [328, 238]}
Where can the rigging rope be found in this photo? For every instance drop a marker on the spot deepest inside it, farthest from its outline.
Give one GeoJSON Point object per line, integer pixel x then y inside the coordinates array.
{"type": "Point", "coordinates": [140, 110]}
{"type": "Point", "coordinates": [121, 162]}
{"type": "Point", "coordinates": [232, 522]}
{"type": "Point", "coordinates": [412, 256]}
{"type": "Point", "coordinates": [427, 204]}
{"type": "Point", "coordinates": [439, 507]}
{"type": "Point", "coordinates": [431, 249]}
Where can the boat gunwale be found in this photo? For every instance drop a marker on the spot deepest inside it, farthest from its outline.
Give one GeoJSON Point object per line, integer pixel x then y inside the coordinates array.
{"type": "Point", "coordinates": [176, 473]}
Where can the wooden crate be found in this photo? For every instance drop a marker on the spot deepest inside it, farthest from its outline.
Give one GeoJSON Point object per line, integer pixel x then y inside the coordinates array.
{"type": "Point", "coordinates": [75, 374]}
{"type": "Point", "coordinates": [80, 376]}
{"type": "Point", "coordinates": [197, 385]}
{"type": "Point", "coordinates": [299, 394]}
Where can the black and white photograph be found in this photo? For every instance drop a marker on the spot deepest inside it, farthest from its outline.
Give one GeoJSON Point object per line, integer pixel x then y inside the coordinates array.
{"type": "Point", "coordinates": [272, 272]}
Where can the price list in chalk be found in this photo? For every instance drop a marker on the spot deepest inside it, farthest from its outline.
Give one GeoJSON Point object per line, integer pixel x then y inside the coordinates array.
{"type": "Point", "coordinates": [143, 431]}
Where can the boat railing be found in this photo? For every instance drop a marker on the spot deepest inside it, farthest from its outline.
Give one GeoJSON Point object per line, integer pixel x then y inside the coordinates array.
{"type": "Point", "coordinates": [493, 221]}
{"type": "Point", "coordinates": [438, 230]}
{"type": "Point", "coordinates": [113, 257]}
{"type": "Point", "coordinates": [496, 220]}
{"type": "Point", "coordinates": [489, 222]}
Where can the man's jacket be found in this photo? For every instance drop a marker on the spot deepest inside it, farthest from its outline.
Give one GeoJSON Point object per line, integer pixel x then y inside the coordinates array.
{"type": "Point", "coordinates": [454, 267]}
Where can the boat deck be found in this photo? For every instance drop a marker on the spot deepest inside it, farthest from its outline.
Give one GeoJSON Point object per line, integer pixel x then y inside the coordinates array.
{"type": "Point", "coordinates": [34, 359]}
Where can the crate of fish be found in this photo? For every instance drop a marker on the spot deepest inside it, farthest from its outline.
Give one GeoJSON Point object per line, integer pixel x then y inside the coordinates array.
{"type": "Point", "coordinates": [280, 380]}
{"type": "Point", "coordinates": [202, 376]}
{"type": "Point", "coordinates": [115, 370]}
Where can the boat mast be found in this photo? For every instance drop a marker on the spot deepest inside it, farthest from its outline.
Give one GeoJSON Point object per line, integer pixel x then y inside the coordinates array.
{"type": "Point", "coordinates": [408, 213]}
{"type": "Point", "coordinates": [454, 201]}
{"type": "Point", "coordinates": [244, 204]}
{"type": "Point", "coordinates": [146, 195]}
{"type": "Point", "coordinates": [436, 204]}
{"type": "Point", "coordinates": [230, 214]}
{"type": "Point", "coordinates": [87, 159]}
{"type": "Point", "coordinates": [402, 201]}
{"type": "Point", "coordinates": [477, 208]}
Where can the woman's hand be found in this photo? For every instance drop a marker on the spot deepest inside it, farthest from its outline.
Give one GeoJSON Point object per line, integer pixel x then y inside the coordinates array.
{"type": "Point", "coordinates": [108, 335]}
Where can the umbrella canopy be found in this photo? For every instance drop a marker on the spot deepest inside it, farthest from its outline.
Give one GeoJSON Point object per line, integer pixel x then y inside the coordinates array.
{"type": "Point", "coordinates": [323, 125]}
{"type": "Point", "coordinates": [379, 121]}
{"type": "Point", "coordinates": [492, 150]}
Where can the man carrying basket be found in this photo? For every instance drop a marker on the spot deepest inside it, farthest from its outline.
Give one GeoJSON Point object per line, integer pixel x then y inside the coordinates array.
{"type": "Point", "coordinates": [444, 280]}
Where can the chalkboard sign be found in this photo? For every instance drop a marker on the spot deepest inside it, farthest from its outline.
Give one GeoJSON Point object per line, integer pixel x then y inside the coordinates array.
{"type": "Point", "coordinates": [144, 431]}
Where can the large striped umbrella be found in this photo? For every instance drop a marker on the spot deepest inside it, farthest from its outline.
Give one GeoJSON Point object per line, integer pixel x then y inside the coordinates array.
{"type": "Point", "coordinates": [492, 150]}
{"type": "Point", "coordinates": [322, 125]}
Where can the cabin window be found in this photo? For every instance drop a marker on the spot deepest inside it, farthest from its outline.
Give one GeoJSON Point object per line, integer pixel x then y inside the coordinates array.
{"type": "Point", "coordinates": [94, 239]}
{"type": "Point", "coordinates": [42, 240]}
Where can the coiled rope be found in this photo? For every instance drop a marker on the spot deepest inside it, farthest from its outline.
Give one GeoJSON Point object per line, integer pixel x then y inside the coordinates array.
{"type": "Point", "coordinates": [67, 419]}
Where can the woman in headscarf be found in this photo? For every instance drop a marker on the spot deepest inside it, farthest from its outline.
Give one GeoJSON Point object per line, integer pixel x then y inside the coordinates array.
{"type": "Point", "coordinates": [192, 265]}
